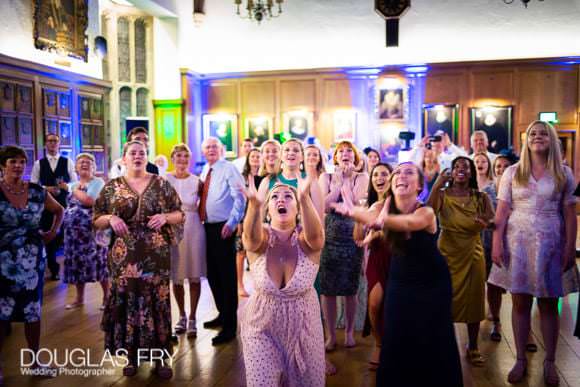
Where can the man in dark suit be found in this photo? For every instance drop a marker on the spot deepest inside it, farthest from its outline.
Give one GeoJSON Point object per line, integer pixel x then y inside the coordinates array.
{"type": "Point", "coordinates": [53, 172]}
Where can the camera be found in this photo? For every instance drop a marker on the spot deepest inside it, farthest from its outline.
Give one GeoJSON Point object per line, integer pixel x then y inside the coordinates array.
{"type": "Point", "coordinates": [435, 138]}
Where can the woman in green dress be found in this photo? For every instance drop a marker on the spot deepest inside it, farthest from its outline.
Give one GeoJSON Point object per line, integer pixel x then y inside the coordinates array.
{"type": "Point", "coordinates": [145, 214]}
{"type": "Point", "coordinates": [463, 212]}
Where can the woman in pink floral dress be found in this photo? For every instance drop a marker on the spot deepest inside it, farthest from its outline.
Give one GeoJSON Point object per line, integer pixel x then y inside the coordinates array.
{"type": "Point", "coordinates": [536, 212]}
{"type": "Point", "coordinates": [282, 337]}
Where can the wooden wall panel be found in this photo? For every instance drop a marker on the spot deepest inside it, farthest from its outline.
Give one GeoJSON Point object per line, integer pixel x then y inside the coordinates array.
{"type": "Point", "coordinates": [297, 95]}
{"type": "Point", "coordinates": [444, 88]}
{"type": "Point", "coordinates": [548, 91]}
{"type": "Point", "coordinates": [493, 85]}
{"type": "Point", "coordinates": [259, 98]}
{"type": "Point", "coordinates": [222, 97]}
{"type": "Point", "coordinates": [337, 94]}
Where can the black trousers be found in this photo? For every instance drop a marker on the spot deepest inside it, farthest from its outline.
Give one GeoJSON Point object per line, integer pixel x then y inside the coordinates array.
{"type": "Point", "coordinates": [221, 274]}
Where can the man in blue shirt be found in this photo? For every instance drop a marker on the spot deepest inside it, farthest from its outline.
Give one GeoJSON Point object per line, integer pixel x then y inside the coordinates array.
{"type": "Point", "coordinates": [221, 208]}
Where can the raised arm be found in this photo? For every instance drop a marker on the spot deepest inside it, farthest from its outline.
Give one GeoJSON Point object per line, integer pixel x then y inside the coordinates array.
{"type": "Point", "coordinates": [435, 197]}
{"type": "Point", "coordinates": [330, 188]}
{"type": "Point", "coordinates": [420, 219]}
{"type": "Point", "coordinates": [312, 231]}
{"type": "Point", "coordinates": [254, 236]}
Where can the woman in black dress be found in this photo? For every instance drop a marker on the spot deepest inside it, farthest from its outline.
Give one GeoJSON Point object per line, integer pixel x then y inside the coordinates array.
{"type": "Point", "coordinates": [418, 297]}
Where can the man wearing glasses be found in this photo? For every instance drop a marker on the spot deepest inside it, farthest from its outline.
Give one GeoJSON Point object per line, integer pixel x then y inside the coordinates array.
{"type": "Point", "coordinates": [53, 172]}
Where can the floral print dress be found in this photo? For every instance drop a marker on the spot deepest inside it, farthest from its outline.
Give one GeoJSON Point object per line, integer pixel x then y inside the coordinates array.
{"type": "Point", "coordinates": [138, 311]}
{"type": "Point", "coordinates": [21, 261]}
{"type": "Point", "coordinates": [84, 259]}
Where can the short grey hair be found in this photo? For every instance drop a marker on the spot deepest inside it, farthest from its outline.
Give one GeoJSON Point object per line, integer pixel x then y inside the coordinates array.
{"type": "Point", "coordinates": [211, 138]}
{"type": "Point", "coordinates": [479, 132]}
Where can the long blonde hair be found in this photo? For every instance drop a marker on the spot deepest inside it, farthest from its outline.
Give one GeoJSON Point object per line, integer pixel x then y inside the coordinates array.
{"type": "Point", "coordinates": [263, 170]}
{"type": "Point", "coordinates": [554, 162]}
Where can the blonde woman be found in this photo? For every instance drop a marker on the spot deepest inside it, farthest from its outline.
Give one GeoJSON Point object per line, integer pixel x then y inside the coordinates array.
{"type": "Point", "coordinates": [84, 259]}
{"type": "Point", "coordinates": [313, 159]}
{"type": "Point", "coordinates": [270, 151]}
{"type": "Point", "coordinates": [188, 258]}
{"type": "Point", "coordinates": [484, 170]}
{"type": "Point", "coordinates": [537, 217]}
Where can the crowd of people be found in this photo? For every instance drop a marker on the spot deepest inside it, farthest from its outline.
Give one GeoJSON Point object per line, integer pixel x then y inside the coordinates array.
{"type": "Point", "coordinates": [439, 235]}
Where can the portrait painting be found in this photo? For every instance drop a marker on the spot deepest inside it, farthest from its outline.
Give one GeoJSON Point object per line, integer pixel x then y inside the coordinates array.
{"type": "Point", "coordinates": [60, 26]}
{"type": "Point", "coordinates": [391, 104]}
{"type": "Point", "coordinates": [65, 133]}
{"type": "Point", "coordinates": [259, 129]}
{"type": "Point", "coordinates": [496, 122]}
{"type": "Point", "coordinates": [344, 125]}
{"type": "Point", "coordinates": [443, 117]}
{"type": "Point", "coordinates": [298, 124]}
{"type": "Point", "coordinates": [25, 131]}
{"type": "Point", "coordinates": [224, 127]}
{"type": "Point", "coordinates": [50, 126]}
{"type": "Point", "coordinates": [8, 130]}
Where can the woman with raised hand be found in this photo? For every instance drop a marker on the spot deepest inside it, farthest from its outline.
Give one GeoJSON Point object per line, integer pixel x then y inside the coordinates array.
{"type": "Point", "coordinates": [84, 259]}
{"type": "Point", "coordinates": [537, 217]}
{"type": "Point", "coordinates": [430, 168]}
{"type": "Point", "coordinates": [341, 259]}
{"type": "Point", "coordinates": [418, 295]}
{"type": "Point", "coordinates": [379, 254]}
{"type": "Point", "coordinates": [281, 330]}
{"type": "Point", "coordinates": [188, 261]}
{"type": "Point", "coordinates": [463, 213]}
{"type": "Point", "coordinates": [21, 243]}
{"type": "Point", "coordinates": [145, 214]}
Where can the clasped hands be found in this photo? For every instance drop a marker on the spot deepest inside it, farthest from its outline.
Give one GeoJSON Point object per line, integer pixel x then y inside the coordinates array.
{"type": "Point", "coordinates": [156, 222]}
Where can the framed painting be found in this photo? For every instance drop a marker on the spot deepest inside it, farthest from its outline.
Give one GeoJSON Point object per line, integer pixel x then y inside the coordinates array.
{"type": "Point", "coordinates": [86, 135]}
{"type": "Point", "coordinates": [390, 145]}
{"type": "Point", "coordinates": [25, 136]}
{"type": "Point", "coordinates": [50, 127]}
{"type": "Point", "coordinates": [259, 129]}
{"type": "Point", "coordinates": [85, 108]}
{"type": "Point", "coordinates": [443, 117]}
{"type": "Point", "coordinates": [29, 162]}
{"type": "Point", "coordinates": [6, 96]}
{"type": "Point", "coordinates": [496, 122]}
{"type": "Point", "coordinates": [96, 106]}
{"type": "Point", "coordinates": [297, 124]}
{"type": "Point", "coordinates": [65, 133]}
{"type": "Point", "coordinates": [224, 127]}
{"type": "Point", "coordinates": [64, 105]}
{"type": "Point", "coordinates": [61, 26]}
{"type": "Point", "coordinates": [344, 125]}
{"type": "Point", "coordinates": [99, 160]}
{"type": "Point", "coordinates": [391, 104]}
{"type": "Point", "coordinates": [8, 130]}
{"type": "Point", "coordinates": [49, 102]}
{"type": "Point", "coordinates": [24, 99]}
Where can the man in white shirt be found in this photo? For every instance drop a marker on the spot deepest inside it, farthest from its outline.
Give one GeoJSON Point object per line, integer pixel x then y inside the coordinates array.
{"type": "Point", "coordinates": [246, 147]}
{"type": "Point", "coordinates": [480, 143]}
{"type": "Point", "coordinates": [53, 172]}
{"type": "Point", "coordinates": [441, 143]}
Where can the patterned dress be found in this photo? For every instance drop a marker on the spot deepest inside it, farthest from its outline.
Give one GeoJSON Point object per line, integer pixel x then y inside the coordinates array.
{"type": "Point", "coordinates": [138, 310]}
{"type": "Point", "coordinates": [21, 261]}
{"type": "Point", "coordinates": [282, 337]}
{"type": "Point", "coordinates": [84, 259]}
{"type": "Point", "coordinates": [487, 234]}
{"type": "Point", "coordinates": [535, 237]}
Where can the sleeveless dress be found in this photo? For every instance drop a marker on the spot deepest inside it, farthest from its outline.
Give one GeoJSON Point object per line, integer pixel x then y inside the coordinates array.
{"type": "Point", "coordinates": [84, 259]}
{"type": "Point", "coordinates": [419, 347]}
{"type": "Point", "coordinates": [188, 259]}
{"type": "Point", "coordinates": [21, 260]}
{"type": "Point", "coordinates": [460, 244]}
{"type": "Point", "coordinates": [281, 329]}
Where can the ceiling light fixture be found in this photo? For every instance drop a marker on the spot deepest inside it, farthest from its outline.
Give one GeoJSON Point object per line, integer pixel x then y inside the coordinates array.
{"type": "Point", "coordinates": [259, 9]}
{"type": "Point", "coordinates": [525, 2]}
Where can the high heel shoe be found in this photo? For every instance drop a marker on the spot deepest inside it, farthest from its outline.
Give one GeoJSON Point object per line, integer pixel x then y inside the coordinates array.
{"type": "Point", "coordinates": [551, 377]}
{"type": "Point", "coordinates": [518, 372]}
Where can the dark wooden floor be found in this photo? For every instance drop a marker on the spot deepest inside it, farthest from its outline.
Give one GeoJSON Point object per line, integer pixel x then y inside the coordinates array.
{"type": "Point", "coordinates": [200, 364]}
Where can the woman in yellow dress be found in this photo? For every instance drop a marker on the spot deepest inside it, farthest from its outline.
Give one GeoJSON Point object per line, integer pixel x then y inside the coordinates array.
{"type": "Point", "coordinates": [463, 212]}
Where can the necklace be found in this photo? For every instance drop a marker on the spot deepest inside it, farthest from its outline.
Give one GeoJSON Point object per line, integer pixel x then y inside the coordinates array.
{"type": "Point", "coordinates": [13, 191]}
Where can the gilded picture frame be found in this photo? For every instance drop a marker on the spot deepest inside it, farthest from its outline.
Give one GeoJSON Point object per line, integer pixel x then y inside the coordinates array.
{"type": "Point", "coordinates": [61, 26]}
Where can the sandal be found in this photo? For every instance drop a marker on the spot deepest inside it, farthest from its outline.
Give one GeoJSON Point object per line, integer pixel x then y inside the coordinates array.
{"type": "Point", "coordinates": [551, 377]}
{"type": "Point", "coordinates": [181, 325]}
{"type": "Point", "coordinates": [130, 370]}
{"type": "Point", "coordinates": [330, 346]}
{"type": "Point", "coordinates": [74, 305]}
{"type": "Point", "coordinates": [474, 357]}
{"type": "Point", "coordinates": [162, 371]}
{"type": "Point", "coordinates": [495, 334]}
{"type": "Point", "coordinates": [191, 329]}
{"type": "Point", "coordinates": [531, 347]}
{"type": "Point", "coordinates": [518, 372]}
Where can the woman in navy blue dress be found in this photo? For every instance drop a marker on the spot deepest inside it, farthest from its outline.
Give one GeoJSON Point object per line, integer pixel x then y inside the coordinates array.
{"type": "Point", "coordinates": [418, 296]}
{"type": "Point", "coordinates": [21, 242]}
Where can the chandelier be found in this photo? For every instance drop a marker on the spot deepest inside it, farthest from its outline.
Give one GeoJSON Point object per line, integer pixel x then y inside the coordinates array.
{"type": "Point", "coordinates": [259, 9]}
{"type": "Point", "coordinates": [525, 2]}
